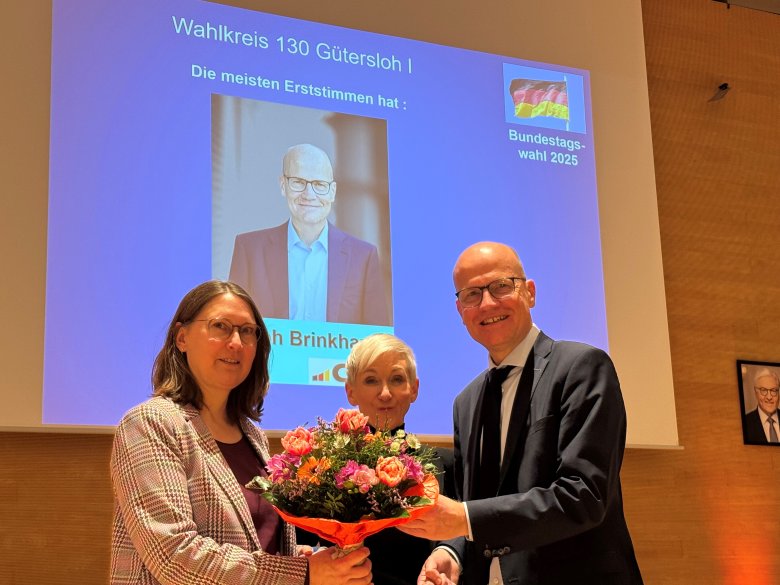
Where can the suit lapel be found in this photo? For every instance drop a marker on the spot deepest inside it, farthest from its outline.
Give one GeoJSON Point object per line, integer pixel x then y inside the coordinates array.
{"type": "Point", "coordinates": [254, 438]}
{"type": "Point", "coordinates": [529, 380]}
{"type": "Point", "coordinates": [475, 440]}
{"type": "Point", "coordinates": [222, 474]}
{"type": "Point", "coordinates": [276, 261]}
{"type": "Point", "coordinates": [338, 264]}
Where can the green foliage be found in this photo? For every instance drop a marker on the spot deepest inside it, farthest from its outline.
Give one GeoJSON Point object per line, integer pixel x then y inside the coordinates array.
{"type": "Point", "coordinates": [349, 476]}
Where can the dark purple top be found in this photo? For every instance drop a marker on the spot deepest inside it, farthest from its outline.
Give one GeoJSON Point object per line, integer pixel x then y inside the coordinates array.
{"type": "Point", "coordinates": [245, 464]}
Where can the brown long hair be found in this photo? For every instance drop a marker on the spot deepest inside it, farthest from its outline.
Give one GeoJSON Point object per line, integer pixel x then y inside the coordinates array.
{"type": "Point", "coordinates": [171, 374]}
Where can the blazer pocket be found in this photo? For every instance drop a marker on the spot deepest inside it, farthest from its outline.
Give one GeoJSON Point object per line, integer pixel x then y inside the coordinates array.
{"type": "Point", "coordinates": [538, 464]}
{"type": "Point", "coordinates": [541, 424]}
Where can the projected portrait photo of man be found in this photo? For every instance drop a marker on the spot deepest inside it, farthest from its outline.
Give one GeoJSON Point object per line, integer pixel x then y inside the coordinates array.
{"type": "Point", "coordinates": [307, 197]}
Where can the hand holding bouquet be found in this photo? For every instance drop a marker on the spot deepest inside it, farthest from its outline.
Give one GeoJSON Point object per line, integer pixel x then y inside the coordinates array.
{"type": "Point", "coordinates": [343, 482]}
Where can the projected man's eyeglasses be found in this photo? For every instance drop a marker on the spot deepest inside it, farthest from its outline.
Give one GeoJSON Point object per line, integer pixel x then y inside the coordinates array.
{"type": "Point", "coordinates": [503, 287]}
{"type": "Point", "coordinates": [765, 391]}
{"type": "Point", "coordinates": [298, 185]}
{"type": "Point", "coordinates": [221, 330]}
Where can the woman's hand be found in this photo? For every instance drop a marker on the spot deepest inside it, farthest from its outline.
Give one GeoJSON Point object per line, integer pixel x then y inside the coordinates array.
{"type": "Point", "coordinates": [352, 569]}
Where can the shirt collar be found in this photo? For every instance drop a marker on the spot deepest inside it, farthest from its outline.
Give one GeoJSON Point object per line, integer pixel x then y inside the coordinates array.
{"type": "Point", "coordinates": [293, 239]}
{"type": "Point", "coordinates": [519, 355]}
{"type": "Point", "coordinates": [392, 431]}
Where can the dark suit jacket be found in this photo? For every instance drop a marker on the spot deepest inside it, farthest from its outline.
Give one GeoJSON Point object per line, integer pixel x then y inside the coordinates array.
{"type": "Point", "coordinates": [356, 289]}
{"type": "Point", "coordinates": [558, 517]}
{"type": "Point", "coordinates": [753, 430]}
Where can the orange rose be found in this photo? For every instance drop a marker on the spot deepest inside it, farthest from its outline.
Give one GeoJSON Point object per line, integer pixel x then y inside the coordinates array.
{"type": "Point", "coordinates": [351, 420]}
{"type": "Point", "coordinates": [371, 437]}
{"type": "Point", "coordinates": [298, 442]}
{"type": "Point", "coordinates": [390, 470]}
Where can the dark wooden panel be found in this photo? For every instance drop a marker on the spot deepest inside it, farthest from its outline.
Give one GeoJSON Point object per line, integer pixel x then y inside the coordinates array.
{"type": "Point", "coordinates": [55, 508]}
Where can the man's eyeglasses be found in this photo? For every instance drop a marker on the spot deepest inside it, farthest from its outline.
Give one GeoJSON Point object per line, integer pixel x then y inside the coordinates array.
{"type": "Point", "coordinates": [503, 287]}
{"type": "Point", "coordinates": [221, 329]}
{"type": "Point", "coordinates": [764, 391]}
{"type": "Point", "coordinates": [298, 185]}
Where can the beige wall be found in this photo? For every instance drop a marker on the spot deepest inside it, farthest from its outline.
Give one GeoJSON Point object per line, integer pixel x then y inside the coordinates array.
{"type": "Point", "coordinates": [704, 514]}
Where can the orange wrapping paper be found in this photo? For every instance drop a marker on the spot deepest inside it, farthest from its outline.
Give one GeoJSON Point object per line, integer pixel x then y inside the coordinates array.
{"type": "Point", "coordinates": [345, 534]}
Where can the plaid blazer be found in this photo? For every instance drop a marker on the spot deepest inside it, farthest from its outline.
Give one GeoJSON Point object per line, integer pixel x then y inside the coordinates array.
{"type": "Point", "coordinates": [179, 514]}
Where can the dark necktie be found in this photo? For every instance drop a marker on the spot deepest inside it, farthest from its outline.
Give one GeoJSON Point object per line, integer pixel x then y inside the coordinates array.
{"type": "Point", "coordinates": [490, 458]}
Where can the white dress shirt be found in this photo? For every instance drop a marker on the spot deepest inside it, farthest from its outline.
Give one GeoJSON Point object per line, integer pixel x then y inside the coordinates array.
{"type": "Point", "coordinates": [517, 357]}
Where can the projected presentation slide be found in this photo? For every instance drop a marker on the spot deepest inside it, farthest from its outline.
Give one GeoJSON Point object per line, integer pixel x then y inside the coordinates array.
{"type": "Point", "coordinates": [191, 141]}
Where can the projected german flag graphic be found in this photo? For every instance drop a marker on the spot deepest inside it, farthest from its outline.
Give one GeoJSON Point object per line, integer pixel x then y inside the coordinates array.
{"type": "Point", "coordinates": [535, 98]}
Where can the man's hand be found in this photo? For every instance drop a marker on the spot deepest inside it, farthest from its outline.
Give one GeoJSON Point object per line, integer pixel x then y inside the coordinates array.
{"type": "Point", "coordinates": [439, 569]}
{"type": "Point", "coordinates": [352, 569]}
{"type": "Point", "coordinates": [447, 519]}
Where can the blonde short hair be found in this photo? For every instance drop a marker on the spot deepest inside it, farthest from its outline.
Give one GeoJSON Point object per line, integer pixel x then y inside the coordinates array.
{"type": "Point", "coordinates": [366, 351]}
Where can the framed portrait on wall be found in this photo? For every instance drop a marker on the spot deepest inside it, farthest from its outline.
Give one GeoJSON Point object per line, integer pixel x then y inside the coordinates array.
{"type": "Point", "coordinates": [759, 386]}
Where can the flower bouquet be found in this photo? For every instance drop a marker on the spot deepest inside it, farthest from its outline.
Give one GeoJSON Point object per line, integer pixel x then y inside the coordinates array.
{"type": "Point", "coordinates": [343, 482]}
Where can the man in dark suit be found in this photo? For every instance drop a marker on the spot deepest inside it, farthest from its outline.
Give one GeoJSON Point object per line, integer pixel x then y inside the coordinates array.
{"type": "Point", "coordinates": [553, 512]}
{"type": "Point", "coordinates": [306, 268]}
{"type": "Point", "coordinates": [761, 424]}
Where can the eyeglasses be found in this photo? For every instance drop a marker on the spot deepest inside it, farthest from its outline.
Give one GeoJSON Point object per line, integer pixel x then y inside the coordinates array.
{"type": "Point", "coordinates": [498, 289]}
{"type": "Point", "coordinates": [298, 185]}
{"type": "Point", "coordinates": [222, 329]}
{"type": "Point", "coordinates": [764, 391]}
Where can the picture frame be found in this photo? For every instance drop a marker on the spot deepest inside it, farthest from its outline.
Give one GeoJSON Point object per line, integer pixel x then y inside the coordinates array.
{"type": "Point", "coordinates": [759, 397]}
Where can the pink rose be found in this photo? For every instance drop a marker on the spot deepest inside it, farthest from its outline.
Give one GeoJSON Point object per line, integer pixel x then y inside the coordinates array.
{"type": "Point", "coordinates": [298, 442]}
{"type": "Point", "coordinates": [391, 471]}
{"type": "Point", "coordinates": [351, 420]}
{"type": "Point", "coordinates": [345, 473]}
{"type": "Point", "coordinates": [364, 478]}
